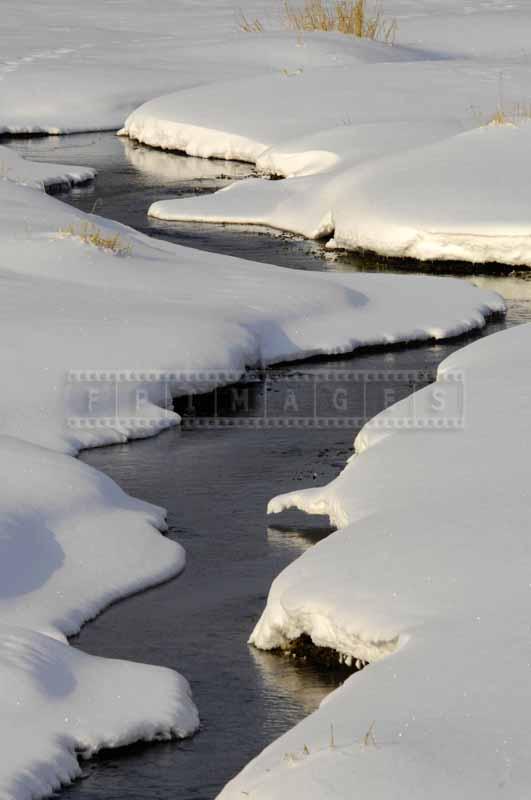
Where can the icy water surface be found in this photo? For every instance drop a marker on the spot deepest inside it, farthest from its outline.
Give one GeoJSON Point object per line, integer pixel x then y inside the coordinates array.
{"type": "Point", "coordinates": [215, 485]}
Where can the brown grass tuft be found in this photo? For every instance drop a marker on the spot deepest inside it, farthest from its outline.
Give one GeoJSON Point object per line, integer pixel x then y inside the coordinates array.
{"type": "Point", "coordinates": [516, 114]}
{"type": "Point", "coordinates": [89, 233]}
{"type": "Point", "coordinates": [350, 17]}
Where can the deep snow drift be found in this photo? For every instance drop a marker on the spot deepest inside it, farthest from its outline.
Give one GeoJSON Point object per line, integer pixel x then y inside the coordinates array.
{"type": "Point", "coordinates": [429, 578]}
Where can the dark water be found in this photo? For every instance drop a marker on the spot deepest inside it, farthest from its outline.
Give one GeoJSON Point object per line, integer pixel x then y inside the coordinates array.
{"type": "Point", "coordinates": [215, 484]}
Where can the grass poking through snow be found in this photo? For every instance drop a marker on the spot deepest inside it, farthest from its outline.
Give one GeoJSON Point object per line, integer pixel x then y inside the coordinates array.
{"type": "Point", "coordinates": [520, 112]}
{"type": "Point", "coordinates": [90, 234]}
{"type": "Point", "coordinates": [249, 25]}
{"type": "Point", "coordinates": [351, 17]}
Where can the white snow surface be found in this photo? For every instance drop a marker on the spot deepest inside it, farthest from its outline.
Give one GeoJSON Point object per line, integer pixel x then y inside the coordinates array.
{"type": "Point", "coordinates": [428, 577]}
{"type": "Point", "coordinates": [43, 176]}
{"type": "Point", "coordinates": [57, 704]}
{"type": "Point", "coordinates": [438, 200]}
{"type": "Point", "coordinates": [162, 308]}
{"type": "Point", "coordinates": [68, 67]}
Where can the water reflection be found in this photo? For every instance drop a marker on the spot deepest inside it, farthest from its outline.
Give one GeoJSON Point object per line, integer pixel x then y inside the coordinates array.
{"type": "Point", "coordinates": [297, 540]}
{"type": "Point", "coordinates": [283, 679]}
{"type": "Point", "coordinates": [174, 168]}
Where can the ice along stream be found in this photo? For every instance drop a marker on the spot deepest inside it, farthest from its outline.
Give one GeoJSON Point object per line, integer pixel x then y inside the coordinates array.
{"type": "Point", "coordinates": [215, 485]}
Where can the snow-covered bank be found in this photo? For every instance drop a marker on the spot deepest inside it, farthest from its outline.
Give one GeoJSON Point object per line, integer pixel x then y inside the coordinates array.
{"type": "Point", "coordinates": [71, 542]}
{"type": "Point", "coordinates": [42, 176]}
{"type": "Point", "coordinates": [434, 202]}
{"type": "Point", "coordinates": [104, 336]}
{"type": "Point", "coordinates": [57, 703]}
{"type": "Point", "coordinates": [161, 309]}
{"type": "Point", "coordinates": [429, 578]}
{"type": "Point", "coordinates": [55, 568]}
{"type": "Point", "coordinates": [370, 165]}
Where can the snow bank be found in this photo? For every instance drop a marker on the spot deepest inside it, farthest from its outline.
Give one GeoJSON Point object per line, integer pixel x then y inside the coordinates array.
{"type": "Point", "coordinates": [56, 567]}
{"type": "Point", "coordinates": [71, 542]}
{"type": "Point", "coordinates": [43, 176]}
{"type": "Point", "coordinates": [428, 578]}
{"type": "Point", "coordinates": [462, 199]}
{"type": "Point", "coordinates": [57, 703]}
{"type": "Point", "coordinates": [205, 121]}
{"type": "Point", "coordinates": [370, 166]}
{"type": "Point", "coordinates": [163, 310]}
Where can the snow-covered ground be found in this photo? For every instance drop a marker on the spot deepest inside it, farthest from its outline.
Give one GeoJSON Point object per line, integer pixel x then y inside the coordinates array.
{"type": "Point", "coordinates": [385, 151]}
{"type": "Point", "coordinates": [429, 578]}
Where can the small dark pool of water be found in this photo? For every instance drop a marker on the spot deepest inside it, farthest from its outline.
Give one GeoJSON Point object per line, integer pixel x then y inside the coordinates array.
{"type": "Point", "coordinates": [215, 483]}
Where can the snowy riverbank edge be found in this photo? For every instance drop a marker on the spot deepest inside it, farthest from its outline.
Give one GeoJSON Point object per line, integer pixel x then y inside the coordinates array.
{"type": "Point", "coordinates": [368, 167]}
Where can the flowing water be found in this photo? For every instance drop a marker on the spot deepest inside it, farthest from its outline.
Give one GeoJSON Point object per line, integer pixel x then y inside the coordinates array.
{"type": "Point", "coordinates": [215, 484]}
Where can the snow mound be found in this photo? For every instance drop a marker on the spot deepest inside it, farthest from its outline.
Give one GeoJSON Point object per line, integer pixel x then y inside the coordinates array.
{"type": "Point", "coordinates": [437, 201]}
{"type": "Point", "coordinates": [43, 176]}
{"type": "Point", "coordinates": [369, 165]}
{"type": "Point", "coordinates": [65, 556]}
{"type": "Point", "coordinates": [57, 704]}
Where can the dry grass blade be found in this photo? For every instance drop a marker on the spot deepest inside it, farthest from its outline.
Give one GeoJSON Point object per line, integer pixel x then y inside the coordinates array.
{"type": "Point", "coordinates": [249, 25]}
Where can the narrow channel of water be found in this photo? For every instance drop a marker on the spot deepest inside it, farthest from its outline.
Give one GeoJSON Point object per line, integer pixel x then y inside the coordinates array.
{"type": "Point", "coordinates": [215, 485]}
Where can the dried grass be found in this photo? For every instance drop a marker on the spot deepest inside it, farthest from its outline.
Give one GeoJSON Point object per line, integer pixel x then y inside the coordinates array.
{"type": "Point", "coordinates": [350, 17]}
{"type": "Point", "coordinates": [89, 233]}
{"type": "Point", "coordinates": [516, 114]}
{"type": "Point", "coordinates": [249, 25]}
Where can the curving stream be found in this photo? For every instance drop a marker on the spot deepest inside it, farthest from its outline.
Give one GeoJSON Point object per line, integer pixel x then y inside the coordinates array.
{"type": "Point", "coordinates": [215, 485]}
